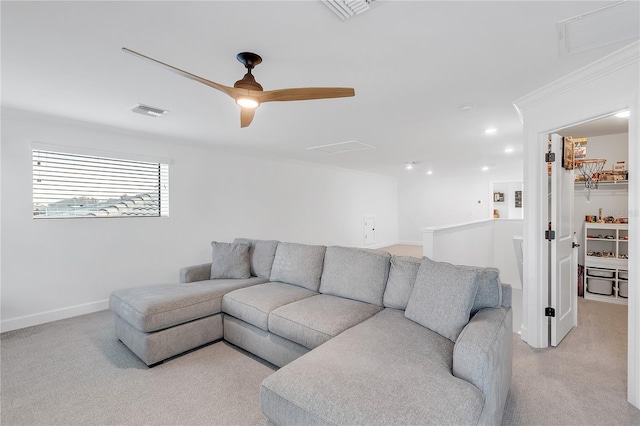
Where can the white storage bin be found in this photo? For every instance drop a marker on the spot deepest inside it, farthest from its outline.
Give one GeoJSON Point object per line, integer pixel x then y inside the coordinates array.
{"type": "Point", "coordinates": [623, 289]}
{"type": "Point", "coordinates": [599, 286]}
{"type": "Point", "coordinates": [624, 275]}
{"type": "Point", "coordinates": [602, 273]}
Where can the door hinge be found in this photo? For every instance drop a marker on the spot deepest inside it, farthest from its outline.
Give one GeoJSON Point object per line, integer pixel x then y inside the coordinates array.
{"type": "Point", "coordinates": [549, 312]}
{"type": "Point", "coordinates": [550, 157]}
{"type": "Point", "coordinates": [550, 235]}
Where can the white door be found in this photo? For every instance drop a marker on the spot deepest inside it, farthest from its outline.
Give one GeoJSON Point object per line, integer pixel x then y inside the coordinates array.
{"type": "Point", "coordinates": [369, 229]}
{"type": "Point", "coordinates": [563, 261]}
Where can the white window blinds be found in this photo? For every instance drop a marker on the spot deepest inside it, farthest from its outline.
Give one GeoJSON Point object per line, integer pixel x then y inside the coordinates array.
{"type": "Point", "coordinates": [72, 185]}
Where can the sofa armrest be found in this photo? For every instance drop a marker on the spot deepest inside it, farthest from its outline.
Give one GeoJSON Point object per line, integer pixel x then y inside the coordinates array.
{"type": "Point", "coordinates": [482, 355]}
{"type": "Point", "coordinates": [193, 273]}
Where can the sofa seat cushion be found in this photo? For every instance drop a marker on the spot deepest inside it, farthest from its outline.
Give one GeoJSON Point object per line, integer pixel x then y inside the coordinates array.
{"type": "Point", "coordinates": [253, 305]}
{"type": "Point", "coordinates": [156, 307]}
{"type": "Point", "coordinates": [385, 370]}
{"type": "Point", "coordinates": [311, 322]}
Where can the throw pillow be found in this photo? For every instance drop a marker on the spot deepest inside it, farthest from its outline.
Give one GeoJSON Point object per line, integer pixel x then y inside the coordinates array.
{"type": "Point", "coordinates": [402, 276]}
{"type": "Point", "coordinates": [230, 260]}
{"type": "Point", "coordinates": [442, 297]}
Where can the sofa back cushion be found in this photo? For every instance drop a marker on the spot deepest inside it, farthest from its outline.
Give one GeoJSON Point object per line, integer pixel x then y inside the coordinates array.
{"type": "Point", "coordinates": [261, 256]}
{"type": "Point", "coordinates": [402, 276]}
{"type": "Point", "coordinates": [489, 290]}
{"type": "Point", "coordinates": [230, 260]}
{"type": "Point", "coordinates": [298, 264]}
{"type": "Point", "coordinates": [442, 297]}
{"type": "Point", "coordinates": [355, 273]}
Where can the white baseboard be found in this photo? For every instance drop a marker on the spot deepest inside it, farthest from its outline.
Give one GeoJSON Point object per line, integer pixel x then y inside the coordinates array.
{"type": "Point", "coordinates": [54, 315]}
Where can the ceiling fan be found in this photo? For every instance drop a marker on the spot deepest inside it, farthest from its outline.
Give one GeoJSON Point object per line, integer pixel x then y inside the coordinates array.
{"type": "Point", "coordinates": [248, 93]}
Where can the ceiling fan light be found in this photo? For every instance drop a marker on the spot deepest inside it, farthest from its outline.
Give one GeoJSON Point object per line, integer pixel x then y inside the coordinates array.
{"type": "Point", "coordinates": [247, 102]}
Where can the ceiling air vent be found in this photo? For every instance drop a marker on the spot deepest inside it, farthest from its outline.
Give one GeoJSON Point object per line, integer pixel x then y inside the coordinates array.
{"type": "Point", "coordinates": [147, 110]}
{"type": "Point", "coordinates": [345, 9]}
{"type": "Point", "coordinates": [337, 148]}
{"type": "Point", "coordinates": [610, 24]}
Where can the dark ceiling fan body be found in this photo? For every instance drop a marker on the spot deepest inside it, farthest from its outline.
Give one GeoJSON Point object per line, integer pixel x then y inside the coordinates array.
{"type": "Point", "coordinates": [249, 94]}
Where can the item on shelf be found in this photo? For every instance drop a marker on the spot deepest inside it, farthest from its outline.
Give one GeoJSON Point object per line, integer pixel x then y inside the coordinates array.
{"type": "Point", "coordinates": [496, 214]}
{"type": "Point", "coordinates": [601, 273]}
{"type": "Point", "coordinates": [620, 168]}
{"type": "Point", "coordinates": [623, 289]}
{"type": "Point", "coordinates": [599, 286]}
{"type": "Point", "coordinates": [602, 254]}
{"type": "Point", "coordinates": [591, 218]}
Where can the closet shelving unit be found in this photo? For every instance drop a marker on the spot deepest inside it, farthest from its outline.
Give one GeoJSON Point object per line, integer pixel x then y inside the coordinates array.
{"type": "Point", "coordinates": [606, 262]}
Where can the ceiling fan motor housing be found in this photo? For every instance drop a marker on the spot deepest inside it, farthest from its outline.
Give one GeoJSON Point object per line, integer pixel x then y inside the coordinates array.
{"type": "Point", "coordinates": [249, 60]}
{"type": "Point", "coordinates": [248, 82]}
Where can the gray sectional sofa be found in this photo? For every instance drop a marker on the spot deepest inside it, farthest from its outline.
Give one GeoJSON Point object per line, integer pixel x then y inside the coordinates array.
{"type": "Point", "coordinates": [360, 336]}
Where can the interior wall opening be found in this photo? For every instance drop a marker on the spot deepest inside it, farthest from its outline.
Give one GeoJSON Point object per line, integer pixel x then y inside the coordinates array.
{"type": "Point", "coordinates": [600, 219]}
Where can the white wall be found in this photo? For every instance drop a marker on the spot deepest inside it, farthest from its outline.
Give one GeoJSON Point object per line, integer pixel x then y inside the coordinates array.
{"type": "Point", "coordinates": [612, 148]}
{"type": "Point", "coordinates": [56, 268]}
{"type": "Point", "coordinates": [425, 201]}
{"type": "Point", "coordinates": [507, 209]}
{"type": "Point", "coordinates": [486, 242]}
{"type": "Point", "coordinates": [458, 244]}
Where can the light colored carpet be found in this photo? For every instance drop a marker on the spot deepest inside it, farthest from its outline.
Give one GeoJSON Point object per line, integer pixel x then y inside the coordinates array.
{"type": "Point", "coordinates": [75, 372]}
{"type": "Point", "coordinates": [404, 250]}
{"type": "Point", "coordinates": [583, 381]}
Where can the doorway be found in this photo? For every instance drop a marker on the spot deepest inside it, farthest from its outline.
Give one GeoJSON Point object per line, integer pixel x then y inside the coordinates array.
{"type": "Point", "coordinates": [605, 86]}
{"type": "Point", "coordinates": [598, 209]}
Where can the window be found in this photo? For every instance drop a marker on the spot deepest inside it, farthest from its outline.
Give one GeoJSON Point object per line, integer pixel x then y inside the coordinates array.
{"type": "Point", "coordinates": [71, 185]}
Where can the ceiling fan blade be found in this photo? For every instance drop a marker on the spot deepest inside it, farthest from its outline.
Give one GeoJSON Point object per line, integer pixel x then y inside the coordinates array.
{"type": "Point", "coordinates": [231, 91]}
{"type": "Point", "coordinates": [246, 116]}
{"type": "Point", "coordinates": [304, 93]}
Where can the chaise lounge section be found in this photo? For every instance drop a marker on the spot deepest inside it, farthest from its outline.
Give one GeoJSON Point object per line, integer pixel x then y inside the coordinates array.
{"type": "Point", "coordinates": [360, 336]}
{"type": "Point", "coordinates": [158, 322]}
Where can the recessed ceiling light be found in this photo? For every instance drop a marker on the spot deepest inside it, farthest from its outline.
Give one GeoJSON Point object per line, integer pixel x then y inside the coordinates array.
{"type": "Point", "coordinates": [623, 114]}
{"type": "Point", "coordinates": [485, 168]}
{"type": "Point", "coordinates": [409, 166]}
{"type": "Point", "coordinates": [490, 130]}
{"type": "Point", "coordinates": [429, 172]}
{"type": "Point", "coordinates": [508, 150]}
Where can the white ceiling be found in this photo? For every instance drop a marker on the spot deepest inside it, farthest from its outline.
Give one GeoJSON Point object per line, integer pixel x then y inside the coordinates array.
{"type": "Point", "coordinates": [413, 66]}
